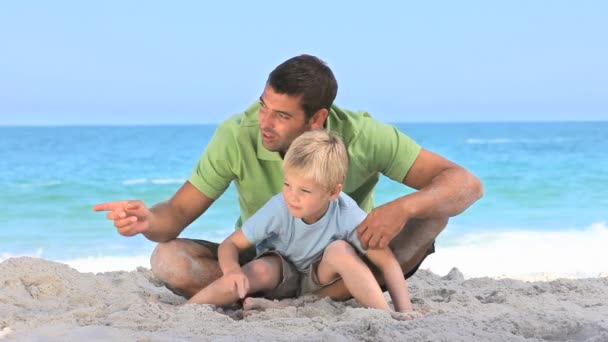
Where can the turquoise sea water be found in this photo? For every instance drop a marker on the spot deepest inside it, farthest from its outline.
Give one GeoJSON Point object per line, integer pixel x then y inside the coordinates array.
{"type": "Point", "coordinates": [546, 184]}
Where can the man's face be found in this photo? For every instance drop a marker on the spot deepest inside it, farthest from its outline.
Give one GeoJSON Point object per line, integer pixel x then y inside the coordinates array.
{"type": "Point", "coordinates": [281, 120]}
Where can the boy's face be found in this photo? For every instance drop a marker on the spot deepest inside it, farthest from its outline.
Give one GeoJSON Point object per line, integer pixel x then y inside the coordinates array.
{"type": "Point", "coordinates": [305, 198]}
{"type": "Point", "coordinates": [282, 119]}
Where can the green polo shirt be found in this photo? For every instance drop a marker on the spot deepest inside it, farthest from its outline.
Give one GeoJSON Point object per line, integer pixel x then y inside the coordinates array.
{"type": "Point", "coordinates": [236, 153]}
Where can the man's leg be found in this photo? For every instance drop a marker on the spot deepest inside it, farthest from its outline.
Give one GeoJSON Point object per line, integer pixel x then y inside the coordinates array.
{"type": "Point", "coordinates": [410, 246]}
{"type": "Point", "coordinates": [186, 266]}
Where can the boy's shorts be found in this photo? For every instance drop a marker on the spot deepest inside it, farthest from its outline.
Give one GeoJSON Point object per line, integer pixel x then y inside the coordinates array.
{"type": "Point", "coordinates": [293, 282]}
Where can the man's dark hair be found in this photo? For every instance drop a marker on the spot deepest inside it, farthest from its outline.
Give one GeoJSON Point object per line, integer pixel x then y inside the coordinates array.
{"type": "Point", "coordinates": [305, 76]}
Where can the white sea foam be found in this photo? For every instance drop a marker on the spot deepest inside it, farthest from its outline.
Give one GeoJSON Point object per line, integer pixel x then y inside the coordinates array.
{"type": "Point", "coordinates": [134, 181]}
{"type": "Point", "coordinates": [43, 184]}
{"type": "Point", "coordinates": [528, 255]}
{"type": "Point", "coordinates": [520, 140]}
{"type": "Point", "coordinates": [160, 181]}
{"type": "Point", "coordinates": [95, 264]}
{"type": "Point", "coordinates": [37, 254]}
{"type": "Point", "coordinates": [488, 141]}
{"type": "Point", "coordinates": [167, 181]}
{"type": "Point", "coordinates": [109, 263]}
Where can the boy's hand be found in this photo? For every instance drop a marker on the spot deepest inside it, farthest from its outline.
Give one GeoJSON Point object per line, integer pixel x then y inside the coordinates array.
{"type": "Point", "coordinates": [130, 217]}
{"type": "Point", "coordinates": [237, 280]}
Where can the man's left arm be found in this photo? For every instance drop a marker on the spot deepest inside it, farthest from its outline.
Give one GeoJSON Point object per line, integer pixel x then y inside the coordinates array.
{"type": "Point", "coordinates": [445, 189]}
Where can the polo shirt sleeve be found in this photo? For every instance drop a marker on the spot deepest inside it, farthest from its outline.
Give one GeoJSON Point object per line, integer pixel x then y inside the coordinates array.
{"type": "Point", "coordinates": [389, 151]}
{"type": "Point", "coordinates": [214, 171]}
{"type": "Point", "coordinates": [267, 222]}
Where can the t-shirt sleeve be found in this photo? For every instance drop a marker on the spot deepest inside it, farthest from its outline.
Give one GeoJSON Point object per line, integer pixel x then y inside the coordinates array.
{"type": "Point", "coordinates": [390, 151]}
{"type": "Point", "coordinates": [354, 240]}
{"type": "Point", "coordinates": [214, 170]}
{"type": "Point", "coordinates": [266, 222]}
{"type": "Point", "coordinates": [352, 215]}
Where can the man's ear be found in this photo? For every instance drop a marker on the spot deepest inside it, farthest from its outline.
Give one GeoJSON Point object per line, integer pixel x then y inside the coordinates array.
{"type": "Point", "coordinates": [335, 192]}
{"type": "Point", "coordinates": [317, 121]}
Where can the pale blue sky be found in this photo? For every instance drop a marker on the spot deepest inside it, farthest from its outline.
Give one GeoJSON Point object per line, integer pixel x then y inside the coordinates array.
{"type": "Point", "coordinates": [152, 62]}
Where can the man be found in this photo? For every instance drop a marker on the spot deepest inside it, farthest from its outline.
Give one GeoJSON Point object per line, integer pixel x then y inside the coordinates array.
{"type": "Point", "coordinates": [248, 149]}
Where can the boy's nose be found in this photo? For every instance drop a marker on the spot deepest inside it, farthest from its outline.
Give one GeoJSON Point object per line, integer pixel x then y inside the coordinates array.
{"type": "Point", "coordinates": [293, 197]}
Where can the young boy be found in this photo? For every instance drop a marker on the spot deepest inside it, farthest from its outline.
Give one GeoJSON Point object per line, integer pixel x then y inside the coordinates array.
{"type": "Point", "coordinates": [305, 237]}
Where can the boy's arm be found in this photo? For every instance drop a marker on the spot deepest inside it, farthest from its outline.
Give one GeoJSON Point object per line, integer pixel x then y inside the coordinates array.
{"type": "Point", "coordinates": [385, 260]}
{"type": "Point", "coordinates": [228, 257]}
{"type": "Point", "coordinates": [228, 252]}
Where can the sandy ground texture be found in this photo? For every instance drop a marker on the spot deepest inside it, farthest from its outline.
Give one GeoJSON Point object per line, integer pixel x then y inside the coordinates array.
{"type": "Point", "coordinates": [46, 301]}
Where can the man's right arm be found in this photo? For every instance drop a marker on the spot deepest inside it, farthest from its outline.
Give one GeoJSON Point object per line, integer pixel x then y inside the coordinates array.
{"type": "Point", "coordinates": [169, 218]}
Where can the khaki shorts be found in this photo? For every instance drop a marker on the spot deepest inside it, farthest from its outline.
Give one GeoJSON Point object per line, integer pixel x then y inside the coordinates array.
{"type": "Point", "coordinates": [293, 282]}
{"type": "Point", "coordinates": [296, 283]}
{"type": "Point", "coordinates": [250, 254]}
{"type": "Point", "coordinates": [310, 281]}
{"type": "Point", "coordinates": [244, 256]}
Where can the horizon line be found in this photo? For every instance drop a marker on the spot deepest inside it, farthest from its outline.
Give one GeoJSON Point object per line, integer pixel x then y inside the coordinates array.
{"type": "Point", "coordinates": [160, 124]}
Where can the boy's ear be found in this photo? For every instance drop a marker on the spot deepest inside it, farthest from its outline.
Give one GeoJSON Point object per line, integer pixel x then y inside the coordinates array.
{"type": "Point", "coordinates": [336, 192]}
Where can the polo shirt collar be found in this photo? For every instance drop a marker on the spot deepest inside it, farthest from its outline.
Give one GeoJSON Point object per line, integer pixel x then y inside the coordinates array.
{"type": "Point", "coordinates": [331, 117]}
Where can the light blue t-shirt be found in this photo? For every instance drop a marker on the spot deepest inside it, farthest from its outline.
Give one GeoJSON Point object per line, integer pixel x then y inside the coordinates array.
{"type": "Point", "coordinates": [273, 227]}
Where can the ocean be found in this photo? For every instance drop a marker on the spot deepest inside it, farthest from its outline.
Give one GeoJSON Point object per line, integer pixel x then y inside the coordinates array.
{"type": "Point", "coordinates": [544, 212]}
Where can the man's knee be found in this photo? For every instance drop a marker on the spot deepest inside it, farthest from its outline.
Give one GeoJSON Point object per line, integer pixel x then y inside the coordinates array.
{"type": "Point", "coordinates": [184, 266]}
{"type": "Point", "coordinates": [265, 270]}
{"type": "Point", "coordinates": [430, 227]}
{"type": "Point", "coordinates": [177, 260]}
{"type": "Point", "coordinates": [163, 259]}
{"type": "Point", "coordinates": [416, 241]}
{"type": "Point", "coordinates": [418, 234]}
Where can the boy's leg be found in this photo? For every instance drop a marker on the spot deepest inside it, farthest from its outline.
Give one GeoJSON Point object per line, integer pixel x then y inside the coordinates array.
{"type": "Point", "coordinates": [288, 288]}
{"type": "Point", "coordinates": [410, 246]}
{"type": "Point", "coordinates": [385, 260]}
{"type": "Point", "coordinates": [263, 274]}
{"type": "Point", "coordinates": [340, 258]}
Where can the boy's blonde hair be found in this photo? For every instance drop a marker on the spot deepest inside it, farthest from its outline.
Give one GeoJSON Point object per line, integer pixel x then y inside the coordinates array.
{"type": "Point", "coordinates": [318, 155]}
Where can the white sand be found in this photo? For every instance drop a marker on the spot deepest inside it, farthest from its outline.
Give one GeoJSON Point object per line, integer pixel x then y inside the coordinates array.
{"type": "Point", "coordinates": [47, 301]}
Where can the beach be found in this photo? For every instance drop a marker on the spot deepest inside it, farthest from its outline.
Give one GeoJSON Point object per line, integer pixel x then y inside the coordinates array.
{"type": "Point", "coordinates": [192, 105]}
{"type": "Point", "coordinates": [42, 300]}
{"type": "Point", "coordinates": [531, 255]}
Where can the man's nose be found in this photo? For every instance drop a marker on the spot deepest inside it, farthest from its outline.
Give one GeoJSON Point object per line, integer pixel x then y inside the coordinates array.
{"type": "Point", "coordinates": [266, 120]}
